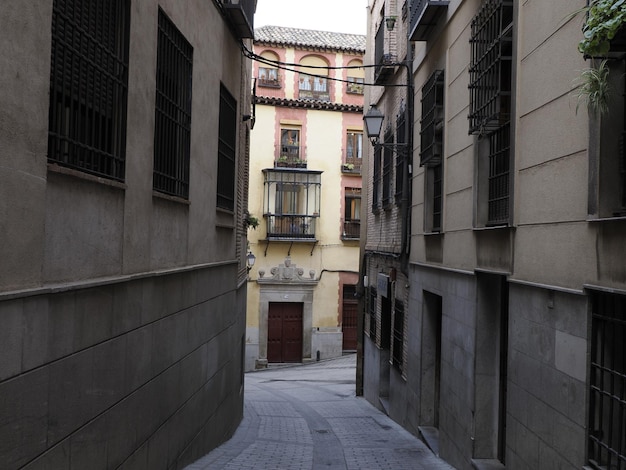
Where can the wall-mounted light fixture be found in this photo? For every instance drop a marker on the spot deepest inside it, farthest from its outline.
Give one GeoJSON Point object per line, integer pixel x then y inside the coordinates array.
{"type": "Point", "coordinates": [250, 260]}
{"type": "Point", "coordinates": [390, 22]}
{"type": "Point", "coordinates": [373, 124]}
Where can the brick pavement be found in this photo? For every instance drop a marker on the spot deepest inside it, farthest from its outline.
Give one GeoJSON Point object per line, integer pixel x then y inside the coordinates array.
{"type": "Point", "coordinates": [308, 417]}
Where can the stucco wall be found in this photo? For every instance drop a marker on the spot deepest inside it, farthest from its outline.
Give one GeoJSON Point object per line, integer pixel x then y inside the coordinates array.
{"type": "Point", "coordinates": [121, 311]}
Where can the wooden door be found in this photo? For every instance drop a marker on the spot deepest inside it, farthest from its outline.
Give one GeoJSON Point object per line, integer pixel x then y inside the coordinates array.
{"type": "Point", "coordinates": [284, 332]}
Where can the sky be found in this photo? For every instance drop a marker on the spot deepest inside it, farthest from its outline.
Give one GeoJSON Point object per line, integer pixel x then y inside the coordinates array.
{"type": "Point", "coordinates": [339, 16]}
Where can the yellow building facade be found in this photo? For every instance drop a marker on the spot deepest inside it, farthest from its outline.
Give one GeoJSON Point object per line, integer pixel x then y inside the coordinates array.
{"type": "Point", "coordinates": [305, 191]}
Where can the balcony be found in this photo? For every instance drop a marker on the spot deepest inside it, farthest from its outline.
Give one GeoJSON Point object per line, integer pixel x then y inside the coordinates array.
{"type": "Point", "coordinates": [290, 227]}
{"type": "Point", "coordinates": [240, 14]}
{"type": "Point", "coordinates": [290, 156]}
{"type": "Point", "coordinates": [382, 58]}
{"type": "Point", "coordinates": [424, 17]}
{"type": "Point", "coordinates": [351, 230]}
{"type": "Point", "coordinates": [351, 164]}
{"type": "Point", "coordinates": [313, 88]}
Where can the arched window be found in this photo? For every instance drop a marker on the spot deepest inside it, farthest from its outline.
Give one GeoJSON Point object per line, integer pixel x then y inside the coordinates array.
{"type": "Point", "coordinates": [268, 73]}
{"type": "Point", "coordinates": [355, 78]}
{"type": "Point", "coordinates": [312, 81]}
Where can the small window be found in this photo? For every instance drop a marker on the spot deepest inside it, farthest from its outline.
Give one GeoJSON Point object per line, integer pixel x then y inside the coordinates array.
{"type": "Point", "coordinates": [371, 310]}
{"type": "Point", "coordinates": [89, 86]}
{"type": "Point", "coordinates": [268, 77]}
{"type": "Point", "coordinates": [312, 81]}
{"type": "Point", "coordinates": [172, 133]}
{"type": "Point", "coordinates": [376, 179]}
{"type": "Point", "coordinates": [352, 214]}
{"type": "Point", "coordinates": [290, 153]}
{"type": "Point", "coordinates": [355, 85]}
{"type": "Point", "coordinates": [431, 133]}
{"type": "Point", "coordinates": [354, 151]}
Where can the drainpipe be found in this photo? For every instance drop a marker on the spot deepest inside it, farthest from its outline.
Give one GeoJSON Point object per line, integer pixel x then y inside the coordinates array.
{"type": "Point", "coordinates": [405, 206]}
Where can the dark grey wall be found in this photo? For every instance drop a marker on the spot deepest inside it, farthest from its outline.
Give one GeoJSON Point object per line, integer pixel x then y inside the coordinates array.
{"type": "Point", "coordinates": [145, 373]}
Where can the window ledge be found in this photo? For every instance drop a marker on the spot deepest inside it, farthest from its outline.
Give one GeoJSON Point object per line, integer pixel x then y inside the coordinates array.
{"type": "Point", "coordinates": [433, 234]}
{"type": "Point", "coordinates": [171, 198]}
{"type": "Point", "coordinates": [494, 227]}
{"type": "Point", "coordinates": [606, 219]}
{"type": "Point", "coordinates": [487, 464]}
{"type": "Point", "coordinates": [62, 170]}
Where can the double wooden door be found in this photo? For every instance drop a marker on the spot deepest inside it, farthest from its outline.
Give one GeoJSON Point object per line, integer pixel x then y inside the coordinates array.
{"type": "Point", "coordinates": [284, 332]}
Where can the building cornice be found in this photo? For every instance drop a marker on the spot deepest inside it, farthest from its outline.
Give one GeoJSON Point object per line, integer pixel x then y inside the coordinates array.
{"type": "Point", "coordinates": [309, 104]}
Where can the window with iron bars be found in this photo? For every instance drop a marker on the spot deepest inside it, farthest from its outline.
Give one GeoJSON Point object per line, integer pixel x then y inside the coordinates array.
{"type": "Point", "coordinates": [376, 181]}
{"type": "Point", "coordinates": [490, 103]}
{"type": "Point", "coordinates": [172, 134]}
{"type": "Point", "coordinates": [398, 337]}
{"type": "Point", "coordinates": [371, 308]}
{"type": "Point", "coordinates": [89, 86]}
{"type": "Point", "coordinates": [607, 383]}
{"type": "Point", "coordinates": [226, 150]}
{"type": "Point", "coordinates": [400, 155]}
{"type": "Point", "coordinates": [437, 199]}
{"type": "Point", "coordinates": [431, 132]}
{"type": "Point", "coordinates": [387, 168]}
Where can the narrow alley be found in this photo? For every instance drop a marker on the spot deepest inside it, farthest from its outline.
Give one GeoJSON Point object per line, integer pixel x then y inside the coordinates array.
{"type": "Point", "coordinates": [308, 417]}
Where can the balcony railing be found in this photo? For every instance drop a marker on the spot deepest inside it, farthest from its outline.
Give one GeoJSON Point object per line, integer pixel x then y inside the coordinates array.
{"type": "Point", "coordinates": [291, 156]}
{"type": "Point", "coordinates": [296, 227]}
{"type": "Point", "coordinates": [424, 17]}
{"type": "Point", "coordinates": [383, 59]}
{"type": "Point", "coordinates": [351, 230]}
{"type": "Point", "coordinates": [351, 164]}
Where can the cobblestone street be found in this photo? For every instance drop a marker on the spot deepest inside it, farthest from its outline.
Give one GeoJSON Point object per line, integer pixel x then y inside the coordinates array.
{"type": "Point", "coordinates": [308, 417]}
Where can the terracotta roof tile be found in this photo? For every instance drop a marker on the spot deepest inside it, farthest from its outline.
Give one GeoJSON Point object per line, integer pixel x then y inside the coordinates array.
{"type": "Point", "coordinates": [310, 38]}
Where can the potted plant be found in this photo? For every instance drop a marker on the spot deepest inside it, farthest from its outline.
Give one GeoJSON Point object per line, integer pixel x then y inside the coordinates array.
{"type": "Point", "coordinates": [603, 27]}
{"type": "Point", "coordinates": [594, 88]}
{"type": "Point", "coordinates": [348, 166]}
{"type": "Point", "coordinates": [250, 221]}
{"type": "Point", "coordinates": [282, 160]}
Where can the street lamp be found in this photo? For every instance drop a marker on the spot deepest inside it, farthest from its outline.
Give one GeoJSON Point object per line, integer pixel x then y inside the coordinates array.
{"type": "Point", "coordinates": [250, 260]}
{"type": "Point", "coordinates": [373, 123]}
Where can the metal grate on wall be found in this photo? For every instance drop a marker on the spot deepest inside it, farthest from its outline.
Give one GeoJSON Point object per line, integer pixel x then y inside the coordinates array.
{"type": "Point", "coordinates": [499, 163]}
{"type": "Point", "coordinates": [398, 336]}
{"type": "Point", "coordinates": [372, 314]}
{"type": "Point", "coordinates": [401, 154]}
{"type": "Point", "coordinates": [607, 394]}
{"type": "Point", "coordinates": [387, 167]}
{"type": "Point", "coordinates": [89, 86]}
{"type": "Point", "coordinates": [376, 180]}
{"type": "Point", "coordinates": [437, 196]}
{"type": "Point", "coordinates": [490, 68]}
{"type": "Point", "coordinates": [172, 134]}
{"type": "Point", "coordinates": [431, 132]}
{"type": "Point", "coordinates": [226, 151]}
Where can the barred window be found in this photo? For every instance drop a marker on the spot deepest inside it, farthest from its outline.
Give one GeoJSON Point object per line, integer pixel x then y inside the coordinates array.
{"type": "Point", "coordinates": [376, 179]}
{"type": "Point", "coordinates": [89, 86]}
{"type": "Point", "coordinates": [431, 132]}
{"type": "Point", "coordinates": [226, 151]}
{"type": "Point", "coordinates": [400, 155]}
{"type": "Point", "coordinates": [387, 168]}
{"type": "Point", "coordinates": [372, 314]}
{"type": "Point", "coordinates": [437, 171]}
{"type": "Point", "coordinates": [490, 67]}
{"type": "Point", "coordinates": [607, 394]}
{"type": "Point", "coordinates": [172, 134]}
{"type": "Point", "coordinates": [398, 336]}
{"type": "Point", "coordinates": [499, 158]}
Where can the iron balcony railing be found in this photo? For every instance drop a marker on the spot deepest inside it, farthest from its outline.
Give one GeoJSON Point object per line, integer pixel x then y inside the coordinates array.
{"type": "Point", "coordinates": [424, 17]}
{"type": "Point", "coordinates": [291, 156]}
{"type": "Point", "coordinates": [351, 230]}
{"type": "Point", "coordinates": [297, 227]}
{"type": "Point", "coordinates": [383, 59]}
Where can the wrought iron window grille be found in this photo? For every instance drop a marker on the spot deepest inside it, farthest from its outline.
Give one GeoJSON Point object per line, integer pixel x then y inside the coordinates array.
{"type": "Point", "coordinates": [387, 167]}
{"type": "Point", "coordinates": [431, 132]}
{"type": "Point", "coordinates": [172, 134]}
{"type": "Point", "coordinates": [398, 336]}
{"type": "Point", "coordinates": [490, 68]}
{"type": "Point", "coordinates": [437, 200]}
{"type": "Point", "coordinates": [227, 136]}
{"type": "Point", "coordinates": [89, 86]}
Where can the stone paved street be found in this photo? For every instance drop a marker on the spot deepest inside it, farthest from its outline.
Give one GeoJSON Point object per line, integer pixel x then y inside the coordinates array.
{"type": "Point", "coordinates": [308, 417]}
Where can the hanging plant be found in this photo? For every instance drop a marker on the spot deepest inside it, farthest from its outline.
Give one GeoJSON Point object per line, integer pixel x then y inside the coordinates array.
{"type": "Point", "coordinates": [250, 221]}
{"type": "Point", "coordinates": [593, 88]}
{"type": "Point", "coordinates": [604, 20]}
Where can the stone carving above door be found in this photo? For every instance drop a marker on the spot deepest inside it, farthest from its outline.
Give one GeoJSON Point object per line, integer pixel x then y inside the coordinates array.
{"type": "Point", "coordinates": [287, 272]}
